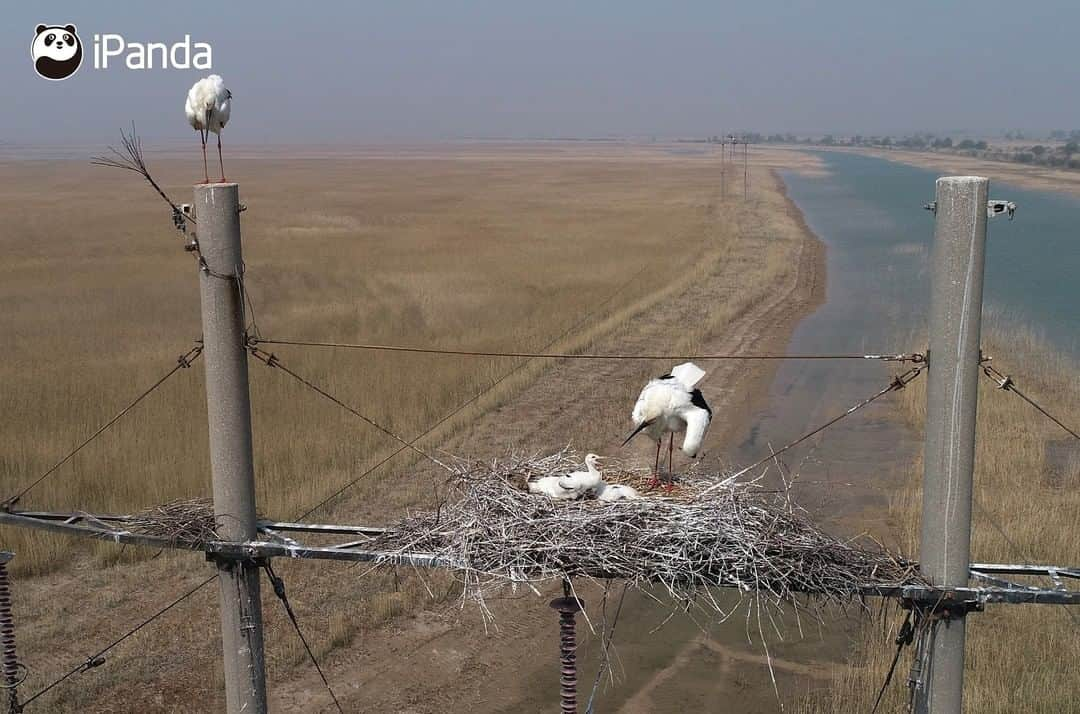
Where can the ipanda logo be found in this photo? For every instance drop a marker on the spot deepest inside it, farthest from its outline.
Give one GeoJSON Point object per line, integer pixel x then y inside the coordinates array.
{"type": "Point", "coordinates": [57, 52]}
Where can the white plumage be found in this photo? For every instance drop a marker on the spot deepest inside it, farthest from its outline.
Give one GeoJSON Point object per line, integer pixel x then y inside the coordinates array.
{"type": "Point", "coordinates": [615, 492]}
{"type": "Point", "coordinates": [579, 483]}
{"type": "Point", "coordinates": [208, 107]}
{"type": "Point", "coordinates": [585, 480]}
{"type": "Point", "coordinates": [549, 486]}
{"type": "Point", "coordinates": [671, 404]}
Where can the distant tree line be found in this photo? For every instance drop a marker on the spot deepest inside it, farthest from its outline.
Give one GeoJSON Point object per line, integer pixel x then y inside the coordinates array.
{"type": "Point", "coordinates": [1062, 149]}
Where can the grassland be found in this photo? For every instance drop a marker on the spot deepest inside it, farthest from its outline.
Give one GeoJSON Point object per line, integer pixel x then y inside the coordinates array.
{"type": "Point", "coordinates": [1018, 657]}
{"type": "Point", "coordinates": [98, 299]}
{"type": "Point", "coordinates": [489, 247]}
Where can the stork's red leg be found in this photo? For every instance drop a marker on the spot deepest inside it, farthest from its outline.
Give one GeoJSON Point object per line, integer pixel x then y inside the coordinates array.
{"type": "Point", "coordinates": [219, 158]}
{"type": "Point", "coordinates": [655, 481]}
{"type": "Point", "coordinates": [670, 448]}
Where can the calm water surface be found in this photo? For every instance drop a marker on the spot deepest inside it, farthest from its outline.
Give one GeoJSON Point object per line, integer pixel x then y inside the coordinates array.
{"type": "Point", "coordinates": [869, 214]}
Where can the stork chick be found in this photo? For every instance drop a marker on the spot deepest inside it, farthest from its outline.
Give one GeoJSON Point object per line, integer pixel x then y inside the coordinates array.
{"type": "Point", "coordinates": [615, 492]}
{"type": "Point", "coordinates": [585, 480]}
{"type": "Point", "coordinates": [549, 486]}
{"type": "Point", "coordinates": [207, 108]}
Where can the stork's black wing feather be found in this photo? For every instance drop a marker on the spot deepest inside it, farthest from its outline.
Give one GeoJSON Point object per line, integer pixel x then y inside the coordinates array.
{"type": "Point", "coordinates": [698, 400]}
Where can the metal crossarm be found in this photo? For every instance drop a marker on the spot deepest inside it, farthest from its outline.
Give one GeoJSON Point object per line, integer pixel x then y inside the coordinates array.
{"type": "Point", "coordinates": [113, 528]}
{"type": "Point", "coordinates": [991, 582]}
{"type": "Point", "coordinates": [992, 588]}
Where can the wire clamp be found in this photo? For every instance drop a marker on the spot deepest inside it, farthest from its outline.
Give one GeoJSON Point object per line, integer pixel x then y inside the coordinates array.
{"type": "Point", "coordinates": [944, 605]}
{"type": "Point", "coordinates": [1006, 382]}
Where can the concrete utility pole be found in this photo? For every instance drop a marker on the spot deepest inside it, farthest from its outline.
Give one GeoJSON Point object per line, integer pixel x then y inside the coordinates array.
{"type": "Point", "coordinates": [217, 210]}
{"type": "Point", "coordinates": [951, 396]}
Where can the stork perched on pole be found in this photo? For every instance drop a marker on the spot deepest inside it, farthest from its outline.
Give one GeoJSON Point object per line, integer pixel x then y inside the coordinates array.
{"type": "Point", "coordinates": [671, 404]}
{"type": "Point", "coordinates": [207, 108]}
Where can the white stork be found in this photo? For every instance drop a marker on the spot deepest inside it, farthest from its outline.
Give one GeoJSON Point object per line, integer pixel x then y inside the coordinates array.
{"type": "Point", "coordinates": [670, 404]}
{"type": "Point", "coordinates": [207, 108]}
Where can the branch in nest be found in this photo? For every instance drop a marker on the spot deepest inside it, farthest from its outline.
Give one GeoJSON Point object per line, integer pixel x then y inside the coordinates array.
{"type": "Point", "coordinates": [130, 158]}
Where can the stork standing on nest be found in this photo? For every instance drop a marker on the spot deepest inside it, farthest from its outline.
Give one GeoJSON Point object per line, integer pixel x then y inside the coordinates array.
{"type": "Point", "coordinates": [207, 108]}
{"type": "Point", "coordinates": [671, 404]}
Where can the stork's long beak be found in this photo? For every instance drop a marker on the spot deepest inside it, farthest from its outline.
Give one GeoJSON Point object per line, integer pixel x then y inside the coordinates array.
{"type": "Point", "coordinates": [635, 432]}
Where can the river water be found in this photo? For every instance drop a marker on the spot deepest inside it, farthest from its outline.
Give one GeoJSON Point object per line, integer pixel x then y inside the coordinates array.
{"type": "Point", "coordinates": [869, 213]}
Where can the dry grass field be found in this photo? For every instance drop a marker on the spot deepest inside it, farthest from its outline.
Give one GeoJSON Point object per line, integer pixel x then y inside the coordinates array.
{"type": "Point", "coordinates": [489, 247]}
{"type": "Point", "coordinates": [1019, 657]}
{"type": "Point", "coordinates": [98, 299]}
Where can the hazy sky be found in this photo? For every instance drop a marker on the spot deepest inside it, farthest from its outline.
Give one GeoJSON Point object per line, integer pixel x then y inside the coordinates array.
{"type": "Point", "coordinates": [362, 71]}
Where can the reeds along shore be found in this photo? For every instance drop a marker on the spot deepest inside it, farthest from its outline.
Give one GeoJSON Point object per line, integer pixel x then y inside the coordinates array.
{"type": "Point", "coordinates": [1027, 491]}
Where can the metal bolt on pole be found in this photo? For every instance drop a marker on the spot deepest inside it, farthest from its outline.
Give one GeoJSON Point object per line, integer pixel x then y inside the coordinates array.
{"type": "Point", "coordinates": [228, 406]}
{"type": "Point", "coordinates": [12, 671]}
{"type": "Point", "coordinates": [951, 395]}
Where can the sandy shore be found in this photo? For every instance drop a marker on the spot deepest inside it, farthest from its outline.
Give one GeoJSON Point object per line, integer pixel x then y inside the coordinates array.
{"type": "Point", "coordinates": [1022, 175]}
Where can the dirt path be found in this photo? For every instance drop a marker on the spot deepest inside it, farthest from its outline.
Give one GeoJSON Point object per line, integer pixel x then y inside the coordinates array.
{"type": "Point", "coordinates": [442, 661]}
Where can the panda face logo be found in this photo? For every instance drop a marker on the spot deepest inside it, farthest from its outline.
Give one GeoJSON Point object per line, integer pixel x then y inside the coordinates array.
{"type": "Point", "coordinates": [56, 51]}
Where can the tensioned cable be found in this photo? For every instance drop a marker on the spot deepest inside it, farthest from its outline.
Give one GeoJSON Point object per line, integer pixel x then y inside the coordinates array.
{"type": "Point", "coordinates": [279, 590]}
{"type": "Point", "coordinates": [898, 382]}
{"type": "Point", "coordinates": [903, 638]}
{"type": "Point", "coordinates": [459, 408]}
{"type": "Point", "coordinates": [900, 357]}
{"type": "Point", "coordinates": [184, 361]}
{"type": "Point", "coordinates": [271, 360]}
{"type": "Point", "coordinates": [1005, 382]}
{"type": "Point", "coordinates": [96, 659]}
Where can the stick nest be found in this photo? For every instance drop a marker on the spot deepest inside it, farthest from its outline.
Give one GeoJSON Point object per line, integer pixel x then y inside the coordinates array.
{"type": "Point", "coordinates": [190, 521]}
{"type": "Point", "coordinates": [738, 536]}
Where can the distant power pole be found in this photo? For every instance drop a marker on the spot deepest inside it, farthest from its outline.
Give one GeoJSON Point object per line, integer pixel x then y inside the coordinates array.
{"type": "Point", "coordinates": [723, 166]}
{"type": "Point", "coordinates": [228, 406]}
{"type": "Point", "coordinates": [951, 396]}
{"type": "Point", "coordinates": [746, 171]}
